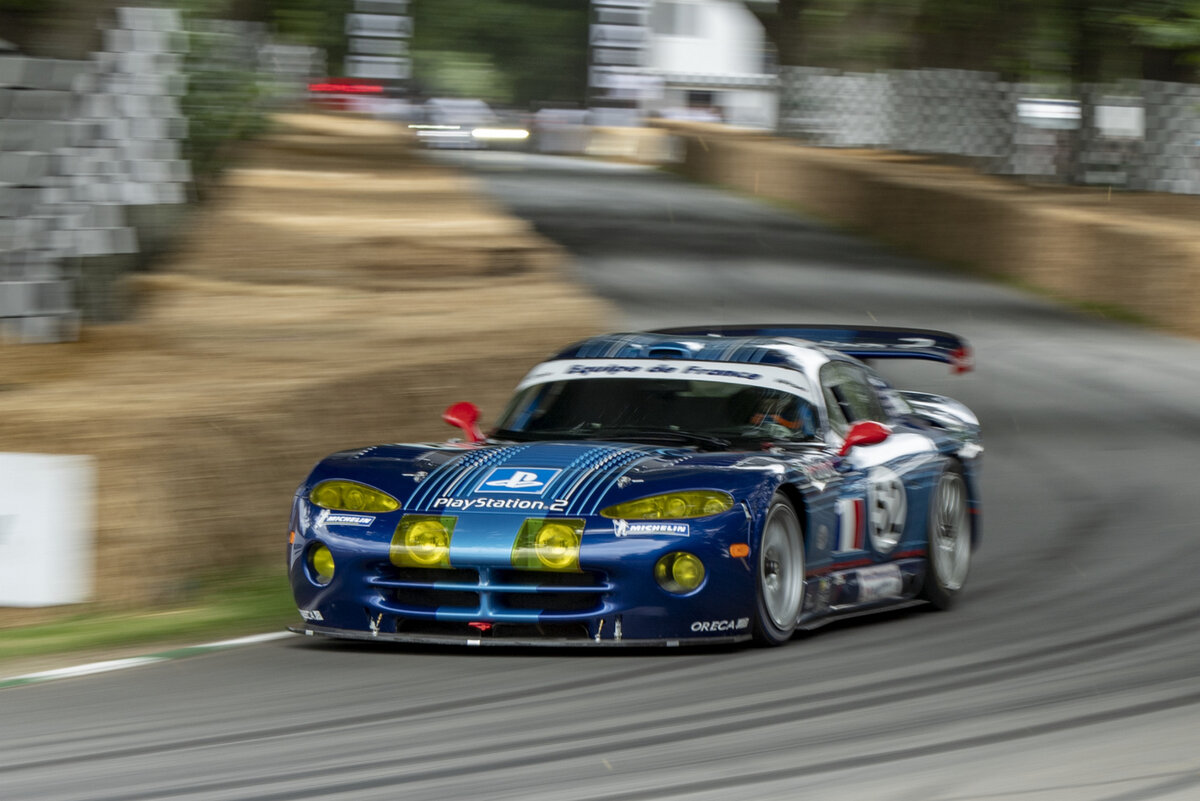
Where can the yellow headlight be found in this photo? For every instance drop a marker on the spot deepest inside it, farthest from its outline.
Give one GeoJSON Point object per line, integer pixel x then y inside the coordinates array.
{"type": "Point", "coordinates": [350, 496]}
{"type": "Point", "coordinates": [320, 563]}
{"type": "Point", "coordinates": [422, 541]}
{"type": "Point", "coordinates": [557, 546]}
{"type": "Point", "coordinates": [548, 545]}
{"type": "Point", "coordinates": [673, 505]}
{"type": "Point", "coordinates": [679, 572]}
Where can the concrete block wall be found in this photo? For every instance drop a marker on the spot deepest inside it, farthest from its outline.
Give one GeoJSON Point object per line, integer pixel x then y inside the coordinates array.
{"type": "Point", "coordinates": [1170, 157]}
{"type": "Point", "coordinates": [973, 115]}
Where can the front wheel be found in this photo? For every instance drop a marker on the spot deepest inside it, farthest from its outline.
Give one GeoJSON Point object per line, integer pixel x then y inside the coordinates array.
{"type": "Point", "coordinates": [780, 584]}
{"type": "Point", "coordinates": [949, 540]}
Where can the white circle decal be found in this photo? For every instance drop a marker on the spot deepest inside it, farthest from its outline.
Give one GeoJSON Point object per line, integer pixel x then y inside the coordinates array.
{"type": "Point", "coordinates": [888, 508]}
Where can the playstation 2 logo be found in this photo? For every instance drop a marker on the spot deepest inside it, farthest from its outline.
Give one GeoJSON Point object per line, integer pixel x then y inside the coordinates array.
{"type": "Point", "coordinates": [527, 480]}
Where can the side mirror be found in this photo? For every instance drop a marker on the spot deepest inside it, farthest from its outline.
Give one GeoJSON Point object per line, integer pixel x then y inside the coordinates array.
{"type": "Point", "coordinates": [464, 415]}
{"type": "Point", "coordinates": [867, 432]}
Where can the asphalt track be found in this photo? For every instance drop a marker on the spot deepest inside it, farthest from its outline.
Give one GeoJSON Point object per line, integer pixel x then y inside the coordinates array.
{"type": "Point", "coordinates": [1069, 672]}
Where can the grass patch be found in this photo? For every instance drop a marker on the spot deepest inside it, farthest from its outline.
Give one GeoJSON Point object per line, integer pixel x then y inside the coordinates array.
{"type": "Point", "coordinates": [248, 604]}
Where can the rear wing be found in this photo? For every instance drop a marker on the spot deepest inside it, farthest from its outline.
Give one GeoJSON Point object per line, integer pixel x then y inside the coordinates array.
{"type": "Point", "coordinates": [861, 342]}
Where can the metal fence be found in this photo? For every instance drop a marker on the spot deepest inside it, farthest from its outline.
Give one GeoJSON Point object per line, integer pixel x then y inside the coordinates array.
{"type": "Point", "coordinates": [1143, 135]}
{"type": "Point", "coordinates": [86, 148]}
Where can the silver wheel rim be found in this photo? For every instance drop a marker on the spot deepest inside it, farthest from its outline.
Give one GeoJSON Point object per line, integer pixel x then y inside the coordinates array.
{"type": "Point", "coordinates": [781, 569]}
{"type": "Point", "coordinates": [951, 536]}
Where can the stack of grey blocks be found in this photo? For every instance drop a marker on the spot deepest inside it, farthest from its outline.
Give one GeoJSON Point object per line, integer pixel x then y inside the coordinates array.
{"type": "Point", "coordinates": [378, 34]}
{"type": "Point", "coordinates": [1170, 158]}
{"type": "Point", "coordinates": [39, 100]}
{"type": "Point", "coordinates": [82, 145]}
{"type": "Point", "coordinates": [833, 109]}
{"type": "Point", "coordinates": [953, 112]}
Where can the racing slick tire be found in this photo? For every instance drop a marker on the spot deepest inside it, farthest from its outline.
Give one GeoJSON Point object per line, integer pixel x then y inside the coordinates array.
{"type": "Point", "coordinates": [779, 584]}
{"type": "Point", "coordinates": [949, 539]}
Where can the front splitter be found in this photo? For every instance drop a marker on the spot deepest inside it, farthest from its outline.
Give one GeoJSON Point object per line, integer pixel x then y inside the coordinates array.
{"type": "Point", "coordinates": [512, 642]}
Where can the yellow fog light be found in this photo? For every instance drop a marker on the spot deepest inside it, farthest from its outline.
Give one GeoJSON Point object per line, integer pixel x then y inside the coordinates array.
{"type": "Point", "coordinates": [673, 505]}
{"type": "Point", "coordinates": [679, 572]}
{"type": "Point", "coordinates": [350, 496]}
{"type": "Point", "coordinates": [320, 564]}
{"type": "Point", "coordinates": [422, 541]}
{"type": "Point", "coordinates": [548, 545]}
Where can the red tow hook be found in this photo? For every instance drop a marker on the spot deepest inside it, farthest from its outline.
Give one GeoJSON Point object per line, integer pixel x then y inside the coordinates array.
{"type": "Point", "coordinates": [483, 627]}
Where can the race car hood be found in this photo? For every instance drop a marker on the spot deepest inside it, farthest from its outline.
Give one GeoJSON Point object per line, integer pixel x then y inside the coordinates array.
{"type": "Point", "coordinates": [562, 478]}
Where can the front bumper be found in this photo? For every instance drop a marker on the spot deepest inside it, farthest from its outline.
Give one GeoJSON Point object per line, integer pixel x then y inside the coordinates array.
{"type": "Point", "coordinates": [484, 600]}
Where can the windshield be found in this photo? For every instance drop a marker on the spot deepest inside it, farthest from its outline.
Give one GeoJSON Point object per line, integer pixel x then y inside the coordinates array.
{"type": "Point", "coordinates": [654, 408]}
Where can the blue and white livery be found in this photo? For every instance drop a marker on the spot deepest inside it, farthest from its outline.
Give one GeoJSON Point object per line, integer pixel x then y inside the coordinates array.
{"type": "Point", "coordinates": [690, 485]}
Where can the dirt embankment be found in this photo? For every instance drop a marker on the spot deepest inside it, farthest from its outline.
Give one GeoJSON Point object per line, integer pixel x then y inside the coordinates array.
{"type": "Point", "coordinates": [337, 291]}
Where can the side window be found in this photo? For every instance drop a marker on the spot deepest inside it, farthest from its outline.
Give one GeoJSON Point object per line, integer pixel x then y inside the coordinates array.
{"type": "Point", "coordinates": [849, 396]}
{"type": "Point", "coordinates": [837, 407]}
{"type": "Point", "coordinates": [862, 396]}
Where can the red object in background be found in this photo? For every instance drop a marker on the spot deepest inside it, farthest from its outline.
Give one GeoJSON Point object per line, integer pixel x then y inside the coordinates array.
{"type": "Point", "coordinates": [335, 93]}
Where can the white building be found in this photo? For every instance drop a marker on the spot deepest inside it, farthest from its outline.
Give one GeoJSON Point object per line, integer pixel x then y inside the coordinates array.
{"type": "Point", "coordinates": [702, 59]}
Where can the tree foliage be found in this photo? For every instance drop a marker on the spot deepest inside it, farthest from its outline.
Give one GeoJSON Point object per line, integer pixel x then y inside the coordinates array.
{"type": "Point", "coordinates": [1079, 40]}
{"type": "Point", "coordinates": [510, 51]}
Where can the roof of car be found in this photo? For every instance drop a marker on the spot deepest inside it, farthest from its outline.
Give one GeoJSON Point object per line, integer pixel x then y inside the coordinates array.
{"type": "Point", "coordinates": [797, 354]}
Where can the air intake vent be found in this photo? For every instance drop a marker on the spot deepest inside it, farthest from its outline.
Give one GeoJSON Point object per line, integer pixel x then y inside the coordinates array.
{"type": "Point", "coordinates": [669, 352]}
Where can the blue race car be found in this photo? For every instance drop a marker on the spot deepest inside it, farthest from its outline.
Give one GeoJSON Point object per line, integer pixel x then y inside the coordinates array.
{"type": "Point", "coordinates": [682, 486]}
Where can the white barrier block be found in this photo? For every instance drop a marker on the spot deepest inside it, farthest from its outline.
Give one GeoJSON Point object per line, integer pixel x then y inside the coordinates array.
{"type": "Point", "coordinates": [13, 70]}
{"type": "Point", "coordinates": [14, 298]}
{"type": "Point", "coordinates": [37, 104]}
{"type": "Point", "coordinates": [23, 167]}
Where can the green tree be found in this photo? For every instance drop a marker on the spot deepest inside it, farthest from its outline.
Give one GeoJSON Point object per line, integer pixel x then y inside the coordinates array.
{"type": "Point", "coordinates": [1167, 35]}
{"type": "Point", "coordinates": [508, 51]}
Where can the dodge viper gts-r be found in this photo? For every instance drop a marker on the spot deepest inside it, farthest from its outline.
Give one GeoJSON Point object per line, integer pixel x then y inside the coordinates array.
{"type": "Point", "coordinates": [688, 485]}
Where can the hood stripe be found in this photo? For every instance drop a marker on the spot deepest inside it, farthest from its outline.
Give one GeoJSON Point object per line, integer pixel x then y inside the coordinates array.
{"type": "Point", "coordinates": [434, 483]}
{"type": "Point", "coordinates": [588, 470]}
{"type": "Point", "coordinates": [461, 486]}
{"type": "Point", "coordinates": [593, 486]}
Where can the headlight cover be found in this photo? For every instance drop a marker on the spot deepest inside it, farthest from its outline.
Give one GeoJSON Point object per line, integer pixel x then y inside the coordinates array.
{"type": "Point", "coordinates": [422, 541]}
{"type": "Point", "coordinates": [548, 545]}
{"type": "Point", "coordinates": [679, 572]}
{"type": "Point", "coordinates": [673, 506]}
{"type": "Point", "coordinates": [350, 496]}
{"type": "Point", "coordinates": [320, 564]}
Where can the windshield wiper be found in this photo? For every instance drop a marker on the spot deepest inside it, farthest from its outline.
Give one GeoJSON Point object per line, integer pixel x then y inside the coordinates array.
{"type": "Point", "coordinates": [559, 433]}
{"type": "Point", "coordinates": [662, 435]}
{"type": "Point", "coordinates": [625, 434]}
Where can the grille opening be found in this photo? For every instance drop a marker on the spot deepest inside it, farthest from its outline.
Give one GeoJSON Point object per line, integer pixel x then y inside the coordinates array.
{"type": "Point", "coordinates": [551, 601]}
{"type": "Point", "coordinates": [548, 578]}
{"type": "Point", "coordinates": [538, 631]}
{"type": "Point", "coordinates": [431, 575]}
{"type": "Point", "coordinates": [428, 598]}
{"type": "Point", "coordinates": [499, 631]}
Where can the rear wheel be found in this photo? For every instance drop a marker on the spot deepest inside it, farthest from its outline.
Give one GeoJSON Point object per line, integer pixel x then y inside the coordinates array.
{"type": "Point", "coordinates": [949, 540]}
{"type": "Point", "coordinates": [780, 584]}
